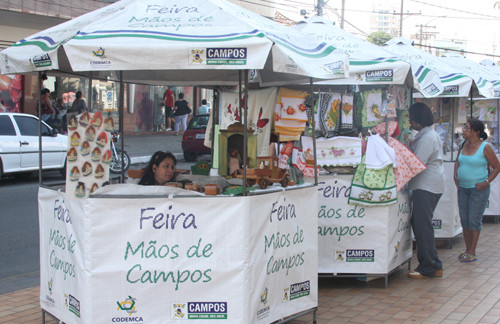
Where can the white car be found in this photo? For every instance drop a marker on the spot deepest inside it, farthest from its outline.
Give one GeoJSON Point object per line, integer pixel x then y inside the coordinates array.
{"type": "Point", "coordinates": [19, 145]}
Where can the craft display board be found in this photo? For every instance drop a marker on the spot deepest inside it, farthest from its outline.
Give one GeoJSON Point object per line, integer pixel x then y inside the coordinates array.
{"type": "Point", "coordinates": [446, 221]}
{"type": "Point", "coordinates": [357, 240]}
{"type": "Point", "coordinates": [159, 260]}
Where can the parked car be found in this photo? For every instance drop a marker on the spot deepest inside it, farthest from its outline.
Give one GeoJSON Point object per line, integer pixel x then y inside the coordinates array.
{"type": "Point", "coordinates": [194, 137]}
{"type": "Point", "coordinates": [19, 145]}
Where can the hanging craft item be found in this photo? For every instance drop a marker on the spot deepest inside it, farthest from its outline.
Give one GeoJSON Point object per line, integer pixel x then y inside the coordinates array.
{"type": "Point", "coordinates": [290, 114]}
{"type": "Point", "coordinates": [370, 103]}
{"type": "Point", "coordinates": [328, 113]}
{"type": "Point", "coordinates": [373, 187]}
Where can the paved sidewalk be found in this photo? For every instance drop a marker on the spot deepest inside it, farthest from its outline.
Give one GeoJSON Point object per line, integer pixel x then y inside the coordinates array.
{"type": "Point", "coordinates": [467, 293]}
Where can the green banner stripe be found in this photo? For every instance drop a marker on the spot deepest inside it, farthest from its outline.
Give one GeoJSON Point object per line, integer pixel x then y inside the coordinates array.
{"type": "Point", "coordinates": [170, 38]}
{"type": "Point", "coordinates": [327, 51]}
{"type": "Point", "coordinates": [423, 75]}
{"type": "Point", "coordinates": [43, 46]}
{"type": "Point", "coordinates": [454, 78]}
{"type": "Point", "coordinates": [373, 62]}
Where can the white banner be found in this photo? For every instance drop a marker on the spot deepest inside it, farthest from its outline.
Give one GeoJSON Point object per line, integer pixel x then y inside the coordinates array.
{"type": "Point", "coordinates": [364, 240]}
{"type": "Point", "coordinates": [159, 260]}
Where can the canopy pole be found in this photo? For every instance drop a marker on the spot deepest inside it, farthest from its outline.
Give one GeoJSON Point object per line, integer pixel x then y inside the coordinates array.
{"type": "Point", "coordinates": [89, 98]}
{"type": "Point", "coordinates": [313, 125]}
{"type": "Point", "coordinates": [120, 113]}
{"type": "Point", "coordinates": [245, 132]}
{"type": "Point", "coordinates": [453, 127]}
{"type": "Point", "coordinates": [212, 130]}
{"type": "Point", "coordinates": [40, 128]}
{"type": "Point", "coordinates": [470, 104]}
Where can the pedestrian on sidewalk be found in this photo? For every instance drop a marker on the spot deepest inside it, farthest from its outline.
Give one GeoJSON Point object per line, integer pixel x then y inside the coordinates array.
{"type": "Point", "coordinates": [181, 113]}
{"type": "Point", "coordinates": [168, 100]}
{"type": "Point", "coordinates": [472, 178]}
{"type": "Point", "coordinates": [427, 188]}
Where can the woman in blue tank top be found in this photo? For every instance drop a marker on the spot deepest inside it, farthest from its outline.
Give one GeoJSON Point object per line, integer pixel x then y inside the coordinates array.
{"type": "Point", "coordinates": [473, 182]}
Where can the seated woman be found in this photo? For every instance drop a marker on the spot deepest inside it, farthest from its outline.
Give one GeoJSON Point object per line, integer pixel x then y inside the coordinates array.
{"type": "Point", "coordinates": [160, 169]}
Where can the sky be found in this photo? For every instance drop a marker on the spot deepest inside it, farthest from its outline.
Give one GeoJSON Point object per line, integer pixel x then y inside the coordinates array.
{"type": "Point", "coordinates": [477, 22]}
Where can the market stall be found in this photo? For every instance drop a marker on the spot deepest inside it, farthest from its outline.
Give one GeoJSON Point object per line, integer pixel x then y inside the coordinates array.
{"type": "Point", "coordinates": [451, 110]}
{"type": "Point", "coordinates": [247, 259]}
{"type": "Point", "coordinates": [362, 241]}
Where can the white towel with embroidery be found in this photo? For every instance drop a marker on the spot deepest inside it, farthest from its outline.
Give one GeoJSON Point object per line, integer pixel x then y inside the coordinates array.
{"type": "Point", "coordinates": [335, 151]}
{"type": "Point", "coordinates": [378, 153]}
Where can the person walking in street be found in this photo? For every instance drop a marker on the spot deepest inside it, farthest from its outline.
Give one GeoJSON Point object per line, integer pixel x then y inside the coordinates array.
{"type": "Point", "coordinates": [426, 190]}
{"type": "Point", "coordinates": [181, 113]}
{"type": "Point", "coordinates": [168, 101]}
{"type": "Point", "coordinates": [472, 178]}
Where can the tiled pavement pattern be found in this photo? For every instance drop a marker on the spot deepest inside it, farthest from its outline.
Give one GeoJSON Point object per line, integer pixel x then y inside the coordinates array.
{"type": "Point", "coordinates": [467, 293]}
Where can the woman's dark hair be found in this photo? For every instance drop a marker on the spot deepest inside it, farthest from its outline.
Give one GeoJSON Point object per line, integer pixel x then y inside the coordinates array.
{"type": "Point", "coordinates": [181, 96]}
{"type": "Point", "coordinates": [148, 178]}
{"type": "Point", "coordinates": [422, 114]}
{"type": "Point", "coordinates": [44, 91]}
{"type": "Point", "coordinates": [78, 94]}
{"type": "Point", "coordinates": [204, 101]}
{"type": "Point", "coordinates": [477, 126]}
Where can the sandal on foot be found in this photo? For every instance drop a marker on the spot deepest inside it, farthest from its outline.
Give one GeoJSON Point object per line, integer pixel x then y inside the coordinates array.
{"type": "Point", "coordinates": [468, 258]}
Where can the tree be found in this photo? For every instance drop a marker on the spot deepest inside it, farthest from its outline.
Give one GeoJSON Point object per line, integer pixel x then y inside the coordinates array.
{"type": "Point", "coordinates": [379, 38]}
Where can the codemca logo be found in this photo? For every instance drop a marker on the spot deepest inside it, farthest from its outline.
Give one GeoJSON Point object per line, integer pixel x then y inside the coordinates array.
{"type": "Point", "coordinates": [300, 289]}
{"type": "Point", "coordinates": [360, 255]}
{"type": "Point", "coordinates": [379, 75]}
{"type": "Point", "coordinates": [41, 60]}
{"type": "Point", "coordinates": [199, 310]}
{"type": "Point", "coordinates": [72, 304]}
{"type": "Point", "coordinates": [336, 68]}
{"type": "Point", "coordinates": [128, 306]}
{"type": "Point", "coordinates": [47, 297]}
{"type": "Point", "coordinates": [102, 62]}
{"type": "Point", "coordinates": [431, 89]}
{"type": "Point", "coordinates": [437, 223]}
{"type": "Point", "coordinates": [264, 311]}
{"type": "Point", "coordinates": [451, 90]}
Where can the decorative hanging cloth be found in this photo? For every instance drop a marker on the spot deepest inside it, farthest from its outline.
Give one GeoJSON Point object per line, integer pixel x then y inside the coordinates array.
{"type": "Point", "coordinates": [336, 151]}
{"type": "Point", "coordinates": [290, 114]}
{"type": "Point", "coordinates": [408, 164]}
{"type": "Point", "coordinates": [371, 187]}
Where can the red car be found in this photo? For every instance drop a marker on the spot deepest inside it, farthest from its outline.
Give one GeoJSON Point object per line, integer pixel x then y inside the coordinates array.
{"type": "Point", "coordinates": [194, 137]}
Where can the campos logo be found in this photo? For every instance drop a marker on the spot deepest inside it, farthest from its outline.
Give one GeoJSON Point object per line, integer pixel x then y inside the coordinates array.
{"type": "Point", "coordinates": [41, 60]}
{"type": "Point", "coordinates": [340, 255]}
{"type": "Point", "coordinates": [72, 304]}
{"type": "Point", "coordinates": [199, 310]}
{"type": "Point", "coordinates": [379, 75]}
{"type": "Point", "coordinates": [48, 298]}
{"type": "Point", "coordinates": [360, 255]}
{"type": "Point", "coordinates": [300, 289]}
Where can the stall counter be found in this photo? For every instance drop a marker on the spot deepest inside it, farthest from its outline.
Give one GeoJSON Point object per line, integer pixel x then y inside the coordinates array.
{"type": "Point", "coordinates": [161, 259]}
{"type": "Point", "coordinates": [360, 240]}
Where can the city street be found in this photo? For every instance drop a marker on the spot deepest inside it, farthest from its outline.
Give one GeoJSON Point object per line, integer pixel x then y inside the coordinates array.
{"type": "Point", "coordinates": [19, 240]}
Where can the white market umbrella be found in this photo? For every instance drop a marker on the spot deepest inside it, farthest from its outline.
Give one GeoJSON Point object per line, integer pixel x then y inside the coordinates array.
{"type": "Point", "coordinates": [176, 42]}
{"type": "Point", "coordinates": [455, 82]}
{"type": "Point", "coordinates": [369, 64]}
{"type": "Point", "coordinates": [485, 78]}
